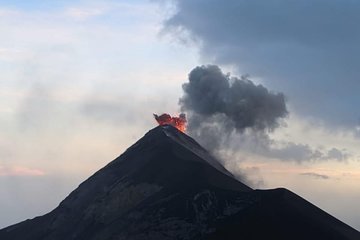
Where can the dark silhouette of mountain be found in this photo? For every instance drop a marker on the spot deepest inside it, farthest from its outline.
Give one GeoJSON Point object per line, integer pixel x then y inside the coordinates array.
{"type": "Point", "coordinates": [166, 186]}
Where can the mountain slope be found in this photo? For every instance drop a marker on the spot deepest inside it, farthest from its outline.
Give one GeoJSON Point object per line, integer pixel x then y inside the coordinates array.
{"type": "Point", "coordinates": [166, 186]}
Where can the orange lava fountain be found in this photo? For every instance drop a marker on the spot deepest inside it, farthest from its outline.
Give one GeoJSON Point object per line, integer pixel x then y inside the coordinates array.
{"type": "Point", "coordinates": [178, 122]}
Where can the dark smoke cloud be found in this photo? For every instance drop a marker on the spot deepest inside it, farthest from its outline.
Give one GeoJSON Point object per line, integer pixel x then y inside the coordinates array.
{"type": "Point", "coordinates": [219, 106]}
{"type": "Point", "coordinates": [230, 115]}
{"type": "Point", "coordinates": [237, 103]}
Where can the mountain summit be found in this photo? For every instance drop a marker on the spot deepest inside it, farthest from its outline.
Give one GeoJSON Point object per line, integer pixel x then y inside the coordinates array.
{"type": "Point", "coordinates": [166, 186]}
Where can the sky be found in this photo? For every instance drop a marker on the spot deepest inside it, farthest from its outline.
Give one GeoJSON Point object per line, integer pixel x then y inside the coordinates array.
{"type": "Point", "coordinates": [80, 80]}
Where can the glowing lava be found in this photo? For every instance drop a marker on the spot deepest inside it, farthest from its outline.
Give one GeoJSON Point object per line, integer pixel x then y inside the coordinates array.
{"type": "Point", "coordinates": [178, 122]}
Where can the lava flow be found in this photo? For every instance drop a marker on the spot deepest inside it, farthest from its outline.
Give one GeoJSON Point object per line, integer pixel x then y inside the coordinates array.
{"type": "Point", "coordinates": [178, 122]}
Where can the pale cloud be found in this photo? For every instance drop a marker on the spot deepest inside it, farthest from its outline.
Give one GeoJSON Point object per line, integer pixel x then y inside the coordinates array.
{"type": "Point", "coordinates": [13, 54]}
{"type": "Point", "coordinates": [20, 171]}
{"type": "Point", "coordinates": [4, 12]}
{"type": "Point", "coordinates": [336, 154]}
{"type": "Point", "coordinates": [82, 14]}
{"type": "Point", "coordinates": [315, 175]}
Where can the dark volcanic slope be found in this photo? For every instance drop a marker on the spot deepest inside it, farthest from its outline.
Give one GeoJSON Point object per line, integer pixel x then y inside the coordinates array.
{"type": "Point", "coordinates": [166, 186]}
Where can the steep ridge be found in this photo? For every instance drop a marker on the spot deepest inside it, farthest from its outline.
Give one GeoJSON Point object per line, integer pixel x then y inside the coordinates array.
{"type": "Point", "coordinates": [166, 186]}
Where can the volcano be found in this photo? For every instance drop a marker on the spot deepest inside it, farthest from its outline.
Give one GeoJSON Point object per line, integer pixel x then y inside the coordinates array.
{"type": "Point", "coordinates": [166, 186]}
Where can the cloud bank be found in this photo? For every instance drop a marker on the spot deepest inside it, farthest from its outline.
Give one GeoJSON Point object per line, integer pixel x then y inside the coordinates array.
{"type": "Point", "coordinates": [307, 49]}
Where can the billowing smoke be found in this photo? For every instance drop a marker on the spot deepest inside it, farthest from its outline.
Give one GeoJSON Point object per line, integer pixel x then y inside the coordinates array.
{"type": "Point", "coordinates": [218, 105]}
{"type": "Point", "coordinates": [232, 117]}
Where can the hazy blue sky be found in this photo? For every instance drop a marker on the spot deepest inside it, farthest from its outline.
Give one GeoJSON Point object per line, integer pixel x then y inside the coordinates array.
{"type": "Point", "coordinates": [80, 80]}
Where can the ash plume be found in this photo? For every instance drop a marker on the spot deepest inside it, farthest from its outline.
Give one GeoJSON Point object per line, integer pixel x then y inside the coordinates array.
{"type": "Point", "coordinates": [233, 117]}
{"type": "Point", "coordinates": [219, 105]}
{"type": "Point", "coordinates": [221, 108]}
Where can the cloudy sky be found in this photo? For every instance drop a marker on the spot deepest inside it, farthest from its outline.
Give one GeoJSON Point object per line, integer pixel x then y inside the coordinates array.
{"type": "Point", "coordinates": [80, 80]}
